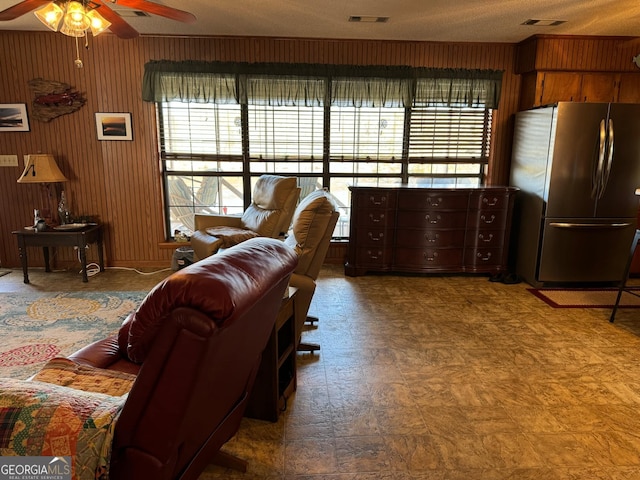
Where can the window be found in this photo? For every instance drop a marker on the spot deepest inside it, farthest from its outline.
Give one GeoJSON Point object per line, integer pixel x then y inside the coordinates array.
{"type": "Point", "coordinates": [368, 131]}
{"type": "Point", "coordinates": [448, 145]}
{"type": "Point", "coordinates": [201, 152]}
{"type": "Point", "coordinates": [285, 139]}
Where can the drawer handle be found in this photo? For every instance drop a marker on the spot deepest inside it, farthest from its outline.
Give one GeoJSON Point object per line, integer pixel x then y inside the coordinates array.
{"type": "Point", "coordinates": [432, 240]}
{"type": "Point", "coordinates": [374, 256]}
{"type": "Point", "coordinates": [433, 203]}
{"type": "Point", "coordinates": [491, 203]}
{"type": "Point", "coordinates": [428, 219]}
{"type": "Point", "coordinates": [485, 258]}
{"type": "Point", "coordinates": [486, 220]}
{"type": "Point", "coordinates": [430, 258]}
{"type": "Point", "coordinates": [376, 219]}
{"type": "Point", "coordinates": [486, 240]}
{"type": "Point", "coordinates": [377, 202]}
{"type": "Point", "coordinates": [376, 238]}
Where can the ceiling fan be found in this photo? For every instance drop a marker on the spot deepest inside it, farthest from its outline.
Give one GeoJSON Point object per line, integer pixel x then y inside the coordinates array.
{"type": "Point", "coordinates": [117, 24]}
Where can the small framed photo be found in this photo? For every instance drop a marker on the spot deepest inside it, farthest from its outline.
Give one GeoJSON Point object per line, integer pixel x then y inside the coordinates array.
{"type": "Point", "coordinates": [114, 126]}
{"type": "Point", "coordinates": [13, 117]}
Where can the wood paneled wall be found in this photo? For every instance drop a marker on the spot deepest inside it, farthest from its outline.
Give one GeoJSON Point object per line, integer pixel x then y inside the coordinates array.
{"type": "Point", "coordinates": [577, 54]}
{"type": "Point", "coordinates": [119, 181]}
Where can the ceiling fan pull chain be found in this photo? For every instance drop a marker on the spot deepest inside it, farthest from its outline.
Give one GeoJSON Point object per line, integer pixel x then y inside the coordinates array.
{"type": "Point", "coordinates": [78, 62]}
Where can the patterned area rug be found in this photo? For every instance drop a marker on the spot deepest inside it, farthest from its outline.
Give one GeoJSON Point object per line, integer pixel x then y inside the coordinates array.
{"type": "Point", "coordinates": [587, 298]}
{"type": "Point", "coordinates": [45, 325]}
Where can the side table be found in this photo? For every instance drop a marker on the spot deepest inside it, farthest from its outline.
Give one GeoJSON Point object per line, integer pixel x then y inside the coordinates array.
{"type": "Point", "coordinates": [276, 379]}
{"type": "Point", "coordinates": [60, 238]}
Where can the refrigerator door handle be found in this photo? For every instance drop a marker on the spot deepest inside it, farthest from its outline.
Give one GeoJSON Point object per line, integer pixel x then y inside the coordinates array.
{"type": "Point", "coordinates": [588, 225]}
{"type": "Point", "coordinates": [596, 180]}
{"type": "Point", "coordinates": [608, 159]}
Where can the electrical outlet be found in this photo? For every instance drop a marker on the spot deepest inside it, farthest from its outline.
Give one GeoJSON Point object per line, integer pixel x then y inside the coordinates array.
{"type": "Point", "coordinates": [8, 160]}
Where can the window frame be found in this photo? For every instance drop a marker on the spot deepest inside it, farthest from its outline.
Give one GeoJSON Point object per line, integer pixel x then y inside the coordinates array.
{"type": "Point", "coordinates": [328, 176]}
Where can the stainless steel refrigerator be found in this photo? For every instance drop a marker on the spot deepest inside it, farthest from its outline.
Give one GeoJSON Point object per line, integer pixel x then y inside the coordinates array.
{"type": "Point", "coordinates": [578, 167]}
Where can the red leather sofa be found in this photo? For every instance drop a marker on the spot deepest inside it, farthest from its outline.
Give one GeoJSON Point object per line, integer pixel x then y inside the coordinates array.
{"type": "Point", "coordinates": [194, 346]}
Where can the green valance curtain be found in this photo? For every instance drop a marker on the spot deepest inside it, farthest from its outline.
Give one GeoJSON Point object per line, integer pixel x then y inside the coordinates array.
{"type": "Point", "coordinates": [469, 88]}
{"type": "Point", "coordinates": [190, 87]}
{"type": "Point", "coordinates": [371, 92]}
{"type": "Point", "coordinates": [285, 91]}
{"type": "Point", "coordinates": [317, 85]}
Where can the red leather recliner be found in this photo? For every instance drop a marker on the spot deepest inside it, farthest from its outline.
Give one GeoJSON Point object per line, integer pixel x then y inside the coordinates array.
{"type": "Point", "coordinates": [194, 345]}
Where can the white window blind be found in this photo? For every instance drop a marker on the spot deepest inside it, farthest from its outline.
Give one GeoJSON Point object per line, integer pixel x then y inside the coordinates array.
{"type": "Point", "coordinates": [366, 133]}
{"type": "Point", "coordinates": [449, 143]}
{"type": "Point", "coordinates": [285, 132]}
{"type": "Point", "coordinates": [445, 133]}
{"type": "Point", "coordinates": [201, 129]}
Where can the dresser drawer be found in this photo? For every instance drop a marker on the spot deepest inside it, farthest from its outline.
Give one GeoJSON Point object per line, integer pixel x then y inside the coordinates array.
{"type": "Point", "coordinates": [378, 199]}
{"type": "Point", "coordinates": [433, 200]}
{"type": "Point", "coordinates": [375, 219]}
{"type": "Point", "coordinates": [373, 257]}
{"type": "Point", "coordinates": [485, 238]}
{"type": "Point", "coordinates": [487, 257]}
{"type": "Point", "coordinates": [489, 201]}
{"type": "Point", "coordinates": [494, 219]}
{"type": "Point", "coordinates": [428, 257]}
{"type": "Point", "coordinates": [373, 237]}
{"type": "Point", "coordinates": [432, 219]}
{"type": "Point", "coordinates": [406, 237]}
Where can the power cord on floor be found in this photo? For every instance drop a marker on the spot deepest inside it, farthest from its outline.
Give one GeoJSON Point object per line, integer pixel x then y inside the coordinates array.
{"type": "Point", "coordinates": [93, 269]}
{"type": "Point", "coordinates": [138, 271]}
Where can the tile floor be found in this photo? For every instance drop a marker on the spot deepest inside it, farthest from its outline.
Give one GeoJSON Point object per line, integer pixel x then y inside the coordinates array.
{"type": "Point", "coordinates": [450, 377]}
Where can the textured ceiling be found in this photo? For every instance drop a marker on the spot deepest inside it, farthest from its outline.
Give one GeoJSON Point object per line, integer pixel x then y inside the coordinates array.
{"type": "Point", "coordinates": [426, 20]}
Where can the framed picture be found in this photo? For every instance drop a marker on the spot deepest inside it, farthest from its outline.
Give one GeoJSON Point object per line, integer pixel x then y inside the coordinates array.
{"type": "Point", "coordinates": [114, 126]}
{"type": "Point", "coordinates": [13, 117]}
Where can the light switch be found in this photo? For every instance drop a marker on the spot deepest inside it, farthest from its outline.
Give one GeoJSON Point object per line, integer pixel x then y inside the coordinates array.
{"type": "Point", "coordinates": [8, 160]}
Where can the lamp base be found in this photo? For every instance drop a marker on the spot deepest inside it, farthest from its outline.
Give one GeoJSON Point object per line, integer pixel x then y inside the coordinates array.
{"type": "Point", "coordinates": [45, 214]}
{"type": "Point", "coordinates": [49, 211]}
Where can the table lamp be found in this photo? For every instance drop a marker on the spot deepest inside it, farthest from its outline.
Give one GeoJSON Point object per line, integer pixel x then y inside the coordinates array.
{"type": "Point", "coordinates": [42, 168]}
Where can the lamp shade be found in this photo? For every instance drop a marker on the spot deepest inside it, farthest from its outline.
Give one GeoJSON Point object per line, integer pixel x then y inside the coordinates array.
{"type": "Point", "coordinates": [41, 168]}
{"type": "Point", "coordinates": [98, 23]}
{"type": "Point", "coordinates": [50, 15]}
{"type": "Point", "coordinates": [75, 17]}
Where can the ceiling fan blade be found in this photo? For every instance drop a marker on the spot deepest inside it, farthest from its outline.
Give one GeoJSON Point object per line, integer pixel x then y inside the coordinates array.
{"type": "Point", "coordinates": [156, 9]}
{"type": "Point", "coordinates": [21, 8]}
{"type": "Point", "coordinates": [118, 25]}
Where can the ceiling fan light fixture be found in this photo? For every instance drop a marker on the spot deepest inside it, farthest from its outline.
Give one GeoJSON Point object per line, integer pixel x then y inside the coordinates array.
{"type": "Point", "coordinates": [71, 32]}
{"type": "Point", "coordinates": [75, 17]}
{"type": "Point", "coordinates": [98, 23]}
{"type": "Point", "coordinates": [50, 15]}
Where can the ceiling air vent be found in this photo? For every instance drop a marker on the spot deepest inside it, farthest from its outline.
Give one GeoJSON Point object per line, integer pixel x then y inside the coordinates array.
{"type": "Point", "coordinates": [131, 13]}
{"type": "Point", "coordinates": [543, 23]}
{"type": "Point", "coordinates": [368, 19]}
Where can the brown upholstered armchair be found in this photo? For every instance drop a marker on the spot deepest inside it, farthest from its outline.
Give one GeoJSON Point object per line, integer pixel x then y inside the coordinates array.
{"type": "Point", "coordinates": [273, 202]}
{"type": "Point", "coordinates": [313, 223]}
{"type": "Point", "coordinates": [191, 352]}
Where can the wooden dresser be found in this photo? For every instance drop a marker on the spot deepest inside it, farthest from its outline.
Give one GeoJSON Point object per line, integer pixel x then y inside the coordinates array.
{"type": "Point", "coordinates": [429, 230]}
